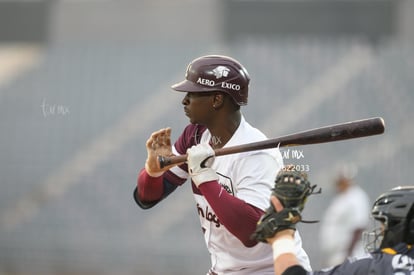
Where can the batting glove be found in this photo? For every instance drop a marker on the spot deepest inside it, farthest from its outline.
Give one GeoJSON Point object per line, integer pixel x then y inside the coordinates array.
{"type": "Point", "coordinates": [200, 158]}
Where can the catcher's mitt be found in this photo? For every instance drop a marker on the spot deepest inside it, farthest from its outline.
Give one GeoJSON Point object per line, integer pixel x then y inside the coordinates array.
{"type": "Point", "coordinates": [292, 188]}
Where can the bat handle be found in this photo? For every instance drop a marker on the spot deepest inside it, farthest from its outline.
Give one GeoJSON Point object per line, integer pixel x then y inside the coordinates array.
{"type": "Point", "coordinates": [165, 161]}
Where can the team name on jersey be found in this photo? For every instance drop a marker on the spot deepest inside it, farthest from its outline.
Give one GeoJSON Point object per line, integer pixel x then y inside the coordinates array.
{"type": "Point", "coordinates": [208, 215]}
{"type": "Point", "coordinates": [212, 83]}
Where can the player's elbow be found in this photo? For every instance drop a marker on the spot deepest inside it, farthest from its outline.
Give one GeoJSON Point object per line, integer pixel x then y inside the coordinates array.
{"type": "Point", "coordinates": [247, 242]}
{"type": "Point", "coordinates": [142, 204]}
{"type": "Point", "coordinates": [244, 236]}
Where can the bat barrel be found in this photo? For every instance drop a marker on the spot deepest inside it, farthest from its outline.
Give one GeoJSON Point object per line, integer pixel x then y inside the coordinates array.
{"type": "Point", "coordinates": [337, 132]}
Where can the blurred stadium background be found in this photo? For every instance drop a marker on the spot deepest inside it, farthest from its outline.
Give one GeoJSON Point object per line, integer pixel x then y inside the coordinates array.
{"type": "Point", "coordinates": [84, 82]}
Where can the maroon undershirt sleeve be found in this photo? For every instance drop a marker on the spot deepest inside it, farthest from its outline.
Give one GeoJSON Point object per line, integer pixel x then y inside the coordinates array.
{"type": "Point", "coordinates": [239, 217]}
{"type": "Point", "coordinates": [149, 188]}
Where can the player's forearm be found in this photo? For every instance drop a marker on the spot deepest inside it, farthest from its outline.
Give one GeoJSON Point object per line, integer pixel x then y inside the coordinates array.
{"type": "Point", "coordinates": [239, 217]}
{"type": "Point", "coordinates": [294, 270]}
{"type": "Point", "coordinates": [149, 188]}
{"type": "Point", "coordinates": [285, 261]}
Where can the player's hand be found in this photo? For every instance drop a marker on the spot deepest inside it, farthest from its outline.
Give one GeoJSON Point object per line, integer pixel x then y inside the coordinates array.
{"type": "Point", "coordinates": [200, 158]}
{"type": "Point", "coordinates": [159, 144]}
{"type": "Point", "coordinates": [288, 199]}
{"type": "Point", "coordinates": [277, 205]}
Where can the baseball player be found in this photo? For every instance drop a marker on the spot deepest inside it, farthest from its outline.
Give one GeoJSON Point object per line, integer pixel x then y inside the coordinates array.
{"type": "Point", "coordinates": [391, 246]}
{"type": "Point", "coordinates": [231, 192]}
{"type": "Point", "coordinates": [343, 222]}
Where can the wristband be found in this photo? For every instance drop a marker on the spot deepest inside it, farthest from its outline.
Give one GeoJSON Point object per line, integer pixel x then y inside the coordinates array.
{"type": "Point", "coordinates": [283, 246]}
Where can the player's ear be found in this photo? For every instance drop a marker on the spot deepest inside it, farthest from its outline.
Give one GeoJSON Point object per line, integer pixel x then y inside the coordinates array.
{"type": "Point", "coordinates": [218, 100]}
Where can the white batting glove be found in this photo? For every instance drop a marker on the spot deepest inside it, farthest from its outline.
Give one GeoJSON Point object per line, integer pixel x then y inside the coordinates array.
{"type": "Point", "coordinates": [200, 158]}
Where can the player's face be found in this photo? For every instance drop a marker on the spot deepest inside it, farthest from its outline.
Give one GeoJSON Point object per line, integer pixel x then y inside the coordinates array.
{"type": "Point", "coordinates": [198, 106]}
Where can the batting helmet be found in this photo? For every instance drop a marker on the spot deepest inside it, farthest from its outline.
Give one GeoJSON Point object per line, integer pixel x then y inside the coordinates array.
{"type": "Point", "coordinates": [216, 73]}
{"type": "Point", "coordinates": [395, 209]}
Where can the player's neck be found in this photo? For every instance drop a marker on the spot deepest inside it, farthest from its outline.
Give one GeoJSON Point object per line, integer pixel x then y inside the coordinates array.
{"type": "Point", "coordinates": [223, 129]}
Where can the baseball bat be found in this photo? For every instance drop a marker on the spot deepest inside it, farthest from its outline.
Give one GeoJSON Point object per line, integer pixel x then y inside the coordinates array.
{"type": "Point", "coordinates": [336, 132]}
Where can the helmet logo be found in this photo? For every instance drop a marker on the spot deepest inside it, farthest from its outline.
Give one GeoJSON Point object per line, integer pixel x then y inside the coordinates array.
{"type": "Point", "coordinates": [206, 82]}
{"type": "Point", "coordinates": [221, 71]}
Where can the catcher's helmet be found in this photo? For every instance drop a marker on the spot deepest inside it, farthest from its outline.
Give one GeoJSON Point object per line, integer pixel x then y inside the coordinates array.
{"type": "Point", "coordinates": [395, 209]}
{"type": "Point", "coordinates": [216, 73]}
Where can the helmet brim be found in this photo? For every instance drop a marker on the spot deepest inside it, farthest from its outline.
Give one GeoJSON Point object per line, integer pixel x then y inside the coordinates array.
{"type": "Point", "coordinates": [188, 86]}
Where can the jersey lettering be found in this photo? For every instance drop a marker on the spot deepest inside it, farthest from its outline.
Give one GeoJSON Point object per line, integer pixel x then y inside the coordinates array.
{"type": "Point", "coordinates": [208, 215]}
{"type": "Point", "coordinates": [402, 263]}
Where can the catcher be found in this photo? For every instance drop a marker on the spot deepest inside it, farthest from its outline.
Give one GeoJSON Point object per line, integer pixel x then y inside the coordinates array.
{"type": "Point", "coordinates": [390, 245]}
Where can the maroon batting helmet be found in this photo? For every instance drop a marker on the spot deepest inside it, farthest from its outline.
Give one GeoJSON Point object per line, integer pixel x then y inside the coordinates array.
{"type": "Point", "coordinates": [216, 73]}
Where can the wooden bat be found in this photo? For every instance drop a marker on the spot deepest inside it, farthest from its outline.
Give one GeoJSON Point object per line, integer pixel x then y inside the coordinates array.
{"type": "Point", "coordinates": [341, 131]}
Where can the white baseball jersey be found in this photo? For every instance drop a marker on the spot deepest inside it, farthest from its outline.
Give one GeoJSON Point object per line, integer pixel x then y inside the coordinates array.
{"type": "Point", "coordinates": [347, 212]}
{"type": "Point", "coordinates": [248, 176]}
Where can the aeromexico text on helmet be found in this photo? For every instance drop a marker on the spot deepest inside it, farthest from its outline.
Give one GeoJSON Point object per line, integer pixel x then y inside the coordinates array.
{"type": "Point", "coordinates": [219, 72]}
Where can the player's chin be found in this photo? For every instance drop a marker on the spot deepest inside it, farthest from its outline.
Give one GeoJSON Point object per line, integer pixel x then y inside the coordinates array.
{"type": "Point", "coordinates": [192, 119]}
